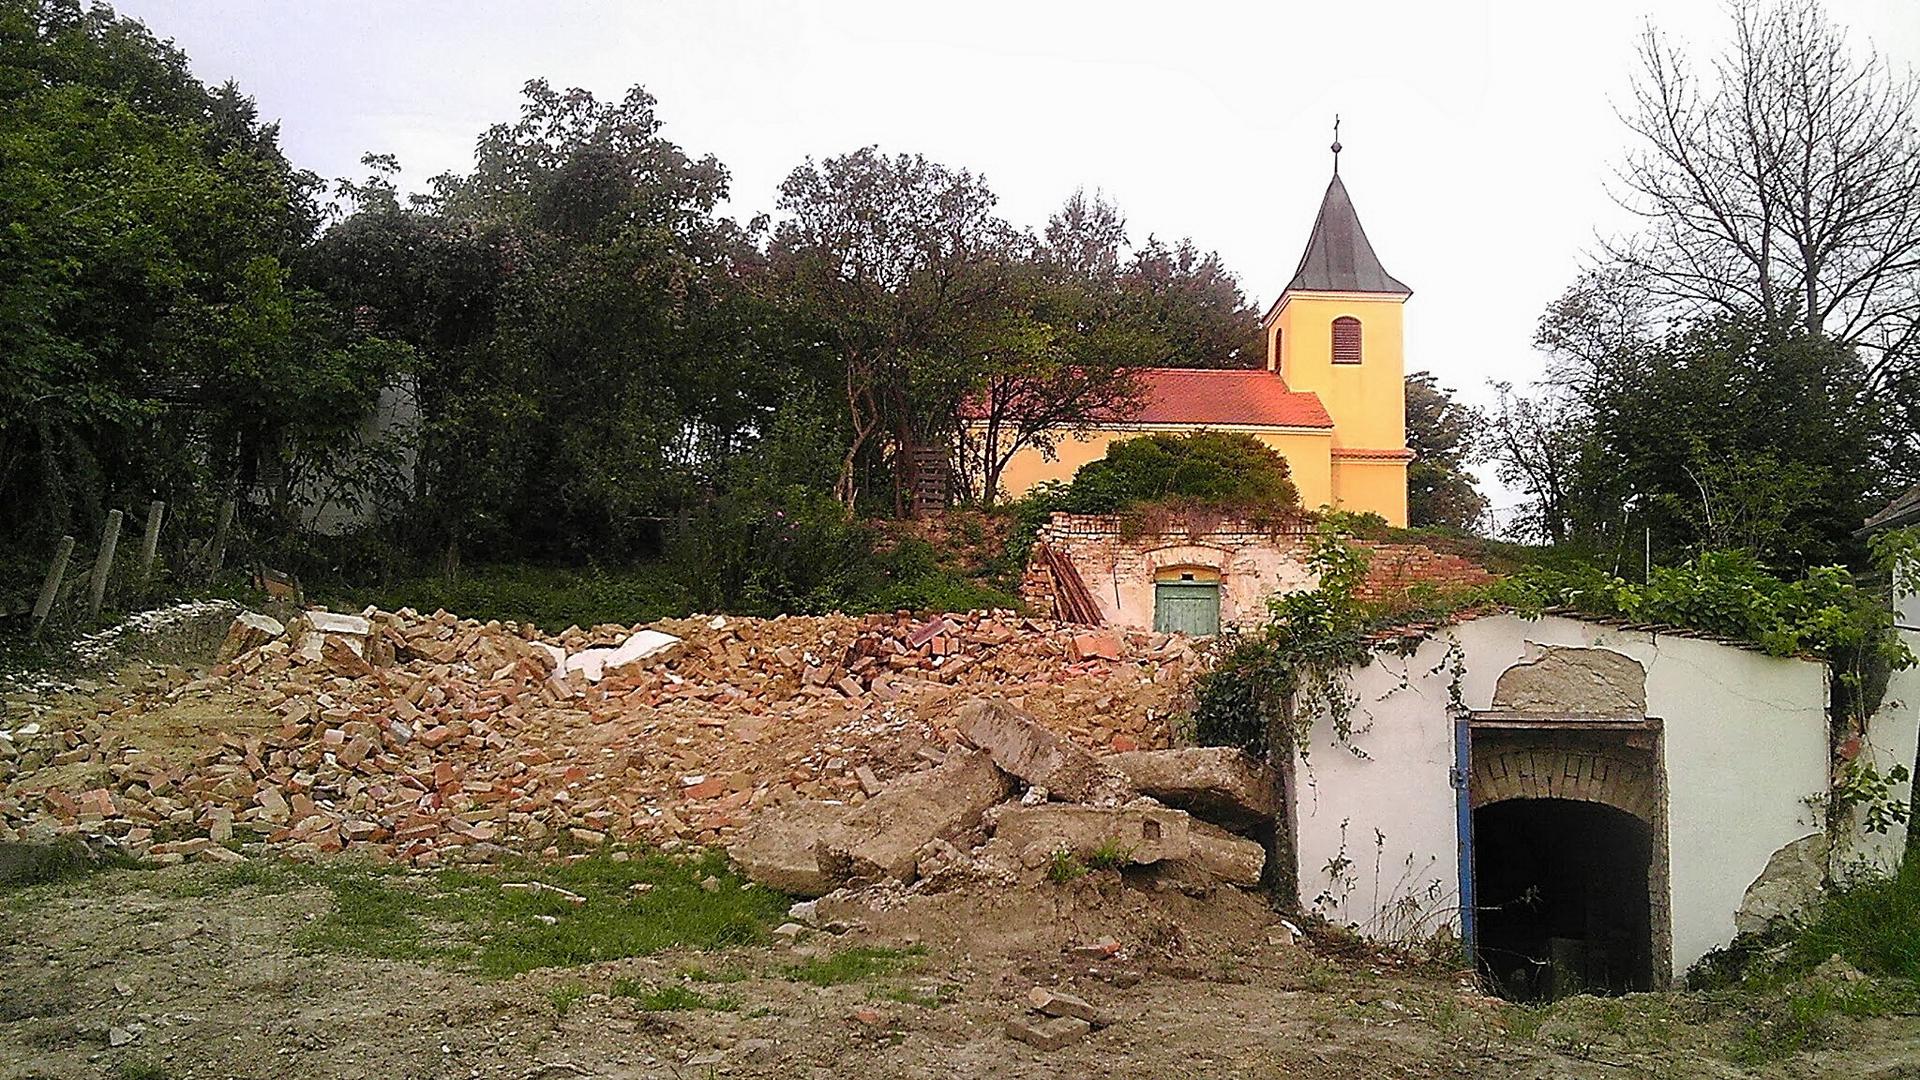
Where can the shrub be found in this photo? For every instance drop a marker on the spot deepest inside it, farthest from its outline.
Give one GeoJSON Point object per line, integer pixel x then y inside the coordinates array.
{"type": "Point", "coordinates": [1212, 467]}
{"type": "Point", "coordinates": [765, 551]}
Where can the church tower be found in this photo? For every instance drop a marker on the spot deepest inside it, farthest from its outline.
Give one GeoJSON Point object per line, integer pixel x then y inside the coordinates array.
{"type": "Point", "coordinates": [1336, 331]}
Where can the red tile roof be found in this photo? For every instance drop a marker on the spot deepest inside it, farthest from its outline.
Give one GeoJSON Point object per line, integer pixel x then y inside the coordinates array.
{"type": "Point", "coordinates": [1225, 396]}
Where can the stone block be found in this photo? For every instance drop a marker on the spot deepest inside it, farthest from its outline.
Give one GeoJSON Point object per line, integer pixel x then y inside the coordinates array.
{"type": "Point", "coordinates": [1214, 783]}
{"type": "Point", "coordinates": [1038, 756]}
{"type": "Point", "coordinates": [1143, 833]}
{"type": "Point", "coordinates": [249, 631]}
{"type": "Point", "coordinates": [776, 847]}
{"type": "Point", "coordinates": [1049, 1033]}
{"type": "Point", "coordinates": [1223, 856]}
{"type": "Point", "coordinates": [882, 837]}
{"type": "Point", "coordinates": [1055, 1003]}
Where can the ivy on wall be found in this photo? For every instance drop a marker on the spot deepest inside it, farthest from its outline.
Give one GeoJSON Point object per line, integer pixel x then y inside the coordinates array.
{"type": "Point", "coordinates": [1271, 685]}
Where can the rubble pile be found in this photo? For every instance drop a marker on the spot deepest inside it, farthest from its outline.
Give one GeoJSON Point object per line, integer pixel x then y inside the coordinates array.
{"type": "Point", "coordinates": [1017, 804]}
{"type": "Point", "coordinates": [427, 737]}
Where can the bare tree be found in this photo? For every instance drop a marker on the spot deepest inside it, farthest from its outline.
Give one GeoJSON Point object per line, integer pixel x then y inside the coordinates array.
{"type": "Point", "coordinates": [1784, 182]}
{"type": "Point", "coordinates": [1534, 443]}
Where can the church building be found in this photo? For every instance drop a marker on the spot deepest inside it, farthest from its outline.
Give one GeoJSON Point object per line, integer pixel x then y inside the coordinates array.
{"type": "Point", "coordinates": [1331, 398]}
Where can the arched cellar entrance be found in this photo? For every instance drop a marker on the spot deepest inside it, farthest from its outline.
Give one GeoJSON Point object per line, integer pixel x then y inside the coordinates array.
{"type": "Point", "coordinates": [1566, 845]}
{"type": "Point", "coordinates": [1563, 898]}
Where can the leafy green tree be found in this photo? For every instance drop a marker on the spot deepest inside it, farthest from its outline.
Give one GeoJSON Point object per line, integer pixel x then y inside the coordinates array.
{"type": "Point", "coordinates": [1442, 433]}
{"type": "Point", "coordinates": [1227, 469]}
{"type": "Point", "coordinates": [1195, 305]}
{"type": "Point", "coordinates": [1734, 434]}
{"type": "Point", "coordinates": [598, 345]}
{"type": "Point", "coordinates": [901, 264]}
{"type": "Point", "coordinates": [155, 343]}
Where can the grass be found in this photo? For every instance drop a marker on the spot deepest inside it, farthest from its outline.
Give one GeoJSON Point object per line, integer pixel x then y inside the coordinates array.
{"type": "Point", "coordinates": [671, 997]}
{"type": "Point", "coordinates": [853, 965]}
{"type": "Point", "coordinates": [1110, 855]}
{"type": "Point", "coordinates": [142, 1070]}
{"type": "Point", "coordinates": [463, 918]}
{"type": "Point", "coordinates": [565, 997]}
{"type": "Point", "coordinates": [1873, 923]}
{"type": "Point", "coordinates": [26, 867]}
{"type": "Point", "coordinates": [1806, 1016]}
{"type": "Point", "coordinates": [1065, 866]}
{"type": "Point", "coordinates": [944, 994]}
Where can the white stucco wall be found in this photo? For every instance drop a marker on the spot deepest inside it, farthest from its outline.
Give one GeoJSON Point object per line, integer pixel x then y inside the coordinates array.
{"type": "Point", "coordinates": [1892, 738]}
{"type": "Point", "coordinates": [1745, 746]}
{"type": "Point", "coordinates": [389, 434]}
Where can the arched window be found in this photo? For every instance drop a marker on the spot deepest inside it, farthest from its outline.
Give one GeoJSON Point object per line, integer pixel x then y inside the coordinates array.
{"type": "Point", "coordinates": [1346, 340]}
{"type": "Point", "coordinates": [1279, 358]}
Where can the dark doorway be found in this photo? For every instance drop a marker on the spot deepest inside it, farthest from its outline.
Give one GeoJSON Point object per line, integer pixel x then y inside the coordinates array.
{"type": "Point", "coordinates": [1562, 892]}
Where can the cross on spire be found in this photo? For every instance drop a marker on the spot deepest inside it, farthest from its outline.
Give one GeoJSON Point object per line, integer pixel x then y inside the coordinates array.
{"type": "Point", "coordinates": [1336, 144]}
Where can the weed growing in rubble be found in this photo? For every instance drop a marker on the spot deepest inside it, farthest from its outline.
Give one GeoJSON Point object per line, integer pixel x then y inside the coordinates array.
{"type": "Point", "coordinates": [1806, 1016]}
{"type": "Point", "coordinates": [565, 997]}
{"type": "Point", "coordinates": [28, 867]}
{"type": "Point", "coordinates": [142, 1070]}
{"type": "Point", "coordinates": [1110, 855]}
{"type": "Point", "coordinates": [853, 965]}
{"type": "Point", "coordinates": [1065, 866]}
{"type": "Point", "coordinates": [671, 998]}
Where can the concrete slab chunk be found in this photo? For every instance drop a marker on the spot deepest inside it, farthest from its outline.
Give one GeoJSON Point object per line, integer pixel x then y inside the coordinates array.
{"type": "Point", "coordinates": [1214, 783]}
{"type": "Point", "coordinates": [882, 837]}
{"type": "Point", "coordinates": [1038, 756]}
{"type": "Point", "coordinates": [1141, 834]}
{"type": "Point", "coordinates": [776, 847]}
{"type": "Point", "coordinates": [1222, 855]}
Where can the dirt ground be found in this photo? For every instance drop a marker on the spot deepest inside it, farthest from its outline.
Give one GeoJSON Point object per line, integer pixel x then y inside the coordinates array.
{"type": "Point", "coordinates": [136, 973]}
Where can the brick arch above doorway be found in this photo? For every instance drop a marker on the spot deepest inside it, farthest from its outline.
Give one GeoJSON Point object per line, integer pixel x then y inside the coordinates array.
{"type": "Point", "coordinates": [1578, 773]}
{"type": "Point", "coordinates": [1187, 555]}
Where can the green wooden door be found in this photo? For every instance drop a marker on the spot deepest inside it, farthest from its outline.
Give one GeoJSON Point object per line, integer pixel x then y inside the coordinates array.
{"type": "Point", "coordinates": [1189, 607]}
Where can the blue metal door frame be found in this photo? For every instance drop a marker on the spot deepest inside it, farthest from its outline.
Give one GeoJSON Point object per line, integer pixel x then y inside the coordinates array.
{"type": "Point", "coordinates": [1463, 824]}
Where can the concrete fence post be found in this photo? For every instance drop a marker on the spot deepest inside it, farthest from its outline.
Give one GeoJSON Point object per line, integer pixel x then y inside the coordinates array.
{"type": "Point", "coordinates": [150, 544]}
{"type": "Point", "coordinates": [217, 552]}
{"type": "Point", "coordinates": [51, 589]}
{"type": "Point", "coordinates": [103, 563]}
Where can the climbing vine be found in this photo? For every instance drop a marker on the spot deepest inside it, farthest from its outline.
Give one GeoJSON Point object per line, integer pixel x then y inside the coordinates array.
{"type": "Point", "coordinates": [1272, 683]}
{"type": "Point", "coordinates": [1294, 668]}
{"type": "Point", "coordinates": [1863, 786]}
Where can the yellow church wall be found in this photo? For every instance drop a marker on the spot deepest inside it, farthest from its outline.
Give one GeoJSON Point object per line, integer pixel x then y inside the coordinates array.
{"type": "Point", "coordinates": [1378, 487]}
{"type": "Point", "coordinates": [1366, 400]}
{"type": "Point", "coordinates": [1308, 454]}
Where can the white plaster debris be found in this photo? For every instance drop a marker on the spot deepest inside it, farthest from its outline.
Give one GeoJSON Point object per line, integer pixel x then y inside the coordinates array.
{"type": "Point", "coordinates": [102, 647]}
{"type": "Point", "coordinates": [596, 662]}
{"type": "Point", "coordinates": [332, 622]}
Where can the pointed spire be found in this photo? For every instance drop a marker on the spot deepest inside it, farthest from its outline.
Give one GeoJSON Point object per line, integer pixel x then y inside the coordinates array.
{"type": "Point", "coordinates": [1338, 257]}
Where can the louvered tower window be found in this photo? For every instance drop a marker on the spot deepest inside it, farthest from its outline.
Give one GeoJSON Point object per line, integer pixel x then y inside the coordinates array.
{"type": "Point", "coordinates": [1346, 340]}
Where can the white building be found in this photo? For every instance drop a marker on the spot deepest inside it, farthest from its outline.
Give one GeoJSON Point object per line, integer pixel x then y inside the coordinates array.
{"type": "Point", "coordinates": [1587, 804]}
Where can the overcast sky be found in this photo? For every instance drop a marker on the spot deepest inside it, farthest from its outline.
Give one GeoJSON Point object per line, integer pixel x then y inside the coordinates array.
{"type": "Point", "coordinates": [1478, 133]}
